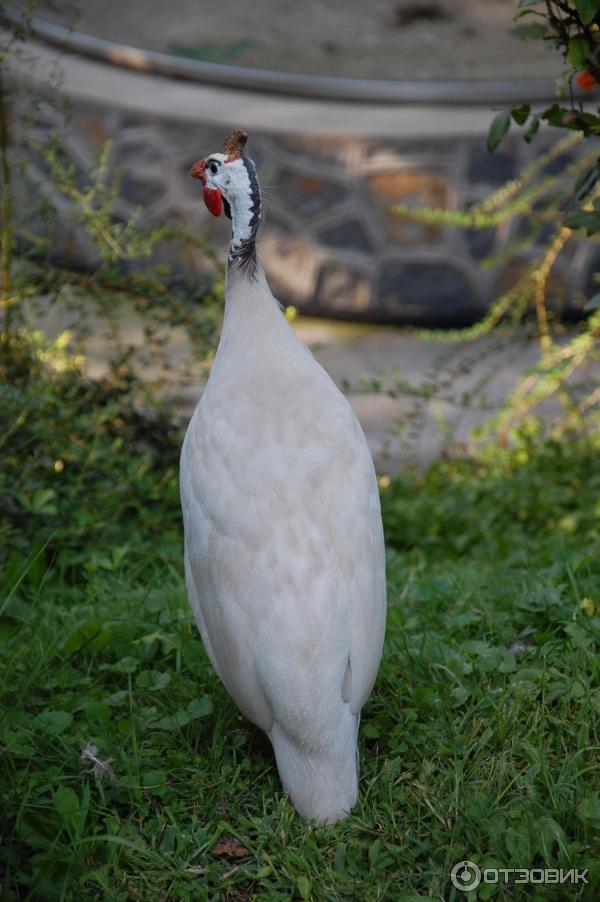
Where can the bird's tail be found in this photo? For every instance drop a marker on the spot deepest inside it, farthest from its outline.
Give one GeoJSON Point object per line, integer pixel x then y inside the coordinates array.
{"type": "Point", "coordinates": [322, 782]}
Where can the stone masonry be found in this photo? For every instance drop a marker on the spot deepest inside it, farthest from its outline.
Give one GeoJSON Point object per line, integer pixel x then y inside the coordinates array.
{"type": "Point", "coordinates": [331, 243]}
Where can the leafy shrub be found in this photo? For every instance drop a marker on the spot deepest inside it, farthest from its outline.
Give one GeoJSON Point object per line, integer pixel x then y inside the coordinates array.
{"type": "Point", "coordinates": [84, 469]}
{"type": "Point", "coordinates": [573, 27]}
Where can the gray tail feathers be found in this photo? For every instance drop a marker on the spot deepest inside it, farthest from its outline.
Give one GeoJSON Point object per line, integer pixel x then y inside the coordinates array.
{"type": "Point", "coordinates": [322, 782]}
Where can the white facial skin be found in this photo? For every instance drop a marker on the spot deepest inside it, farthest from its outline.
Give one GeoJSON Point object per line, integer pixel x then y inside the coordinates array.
{"type": "Point", "coordinates": [218, 173]}
{"type": "Point", "coordinates": [233, 181]}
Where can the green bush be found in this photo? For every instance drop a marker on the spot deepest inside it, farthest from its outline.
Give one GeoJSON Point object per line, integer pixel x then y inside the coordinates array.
{"type": "Point", "coordinates": [84, 471]}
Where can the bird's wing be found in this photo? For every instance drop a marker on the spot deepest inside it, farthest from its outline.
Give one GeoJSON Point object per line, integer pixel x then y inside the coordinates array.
{"type": "Point", "coordinates": [213, 569]}
{"type": "Point", "coordinates": [367, 597]}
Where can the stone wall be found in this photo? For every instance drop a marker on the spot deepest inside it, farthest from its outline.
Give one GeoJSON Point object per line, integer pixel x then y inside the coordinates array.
{"type": "Point", "coordinates": [330, 241]}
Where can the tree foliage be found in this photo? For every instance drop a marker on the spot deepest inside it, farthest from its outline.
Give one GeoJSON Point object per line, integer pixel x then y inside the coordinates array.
{"type": "Point", "coordinates": [573, 27]}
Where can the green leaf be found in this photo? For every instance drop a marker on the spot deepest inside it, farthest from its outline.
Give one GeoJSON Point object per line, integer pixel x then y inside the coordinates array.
{"type": "Point", "coordinates": [66, 804]}
{"type": "Point", "coordinates": [586, 181]}
{"type": "Point", "coordinates": [588, 811]}
{"type": "Point", "coordinates": [89, 635]}
{"type": "Point", "coordinates": [564, 83]}
{"type": "Point", "coordinates": [17, 744]}
{"type": "Point", "coordinates": [37, 830]}
{"type": "Point", "coordinates": [578, 52]}
{"type": "Point", "coordinates": [340, 857]}
{"type": "Point", "coordinates": [119, 698]}
{"type": "Point", "coordinates": [304, 886]}
{"type": "Point", "coordinates": [371, 731]}
{"type": "Point", "coordinates": [487, 891]}
{"type": "Point", "coordinates": [555, 114]}
{"type": "Point", "coordinates": [578, 636]}
{"type": "Point", "coordinates": [520, 113]}
{"type": "Point", "coordinates": [533, 128]}
{"type": "Point", "coordinates": [518, 843]}
{"type": "Point", "coordinates": [40, 503]}
{"type": "Point", "coordinates": [153, 680]}
{"type": "Point", "coordinates": [169, 839]}
{"type": "Point", "coordinates": [156, 782]}
{"type": "Point", "coordinates": [582, 219]}
{"type": "Point", "coordinates": [374, 852]}
{"type": "Point", "coordinates": [263, 872]}
{"type": "Point", "coordinates": [53, 722]}
{"type": "Point", "coordinates": [154, 778]}
{"type": "Point", "coordinates": [168, 641]}
{"type": "Point", "coordinates": [459, 696]}
{"type": "Point", "coordinates": [587, 9]}
{"type": "Point", "coordinates": [172, 721]}
{"type": "Point", "coordinates": [547, 831]}
{"type": "Point", "coordinates": [498, 129]}
{"type": "Point", "coordinates": [200, 707]}
{"type": "Point", "coordinates": [580, 120]}
{"type": "Point", "coordinates": [126, 665]}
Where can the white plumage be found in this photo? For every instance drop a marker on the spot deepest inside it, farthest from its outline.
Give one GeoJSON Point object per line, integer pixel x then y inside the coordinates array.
{"type": "Point", "coordinates": [284, 551]}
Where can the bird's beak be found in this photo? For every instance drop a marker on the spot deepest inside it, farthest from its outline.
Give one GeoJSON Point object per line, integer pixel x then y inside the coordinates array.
{"type": "Point", "coordinates": [212, 196]}
{"type": "Point", "coordinates": [198, 171]}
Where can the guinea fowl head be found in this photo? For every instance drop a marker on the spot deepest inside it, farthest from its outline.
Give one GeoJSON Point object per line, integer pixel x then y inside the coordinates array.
{"type": "Point", "coordinates": [229, 184]}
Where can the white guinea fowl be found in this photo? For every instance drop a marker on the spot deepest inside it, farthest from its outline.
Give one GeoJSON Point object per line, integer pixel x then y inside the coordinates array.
{"type": "Point", "coordinates": [284, 553]}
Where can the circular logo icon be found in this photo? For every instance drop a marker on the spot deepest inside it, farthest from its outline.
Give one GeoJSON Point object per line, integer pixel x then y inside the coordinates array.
{"type": "Point", "coordinates": [465, 876]}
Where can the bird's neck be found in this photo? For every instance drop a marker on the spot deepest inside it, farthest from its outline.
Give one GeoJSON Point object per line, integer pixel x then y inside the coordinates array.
{"type": "Point", "coordinates": [244, 212]}
{"type": "Point", "coordinates": [251, 311]}
{"type": "Point", "coordinates": [242, 247]}
{"type": "Point", "coordinates": [255, 330]}
{"type": "Point", "coordinates": [245, 293]}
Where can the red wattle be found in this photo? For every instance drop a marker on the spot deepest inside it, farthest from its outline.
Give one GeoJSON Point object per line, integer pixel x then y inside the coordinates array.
{"type": "Point", "coordinates": [213, 200]}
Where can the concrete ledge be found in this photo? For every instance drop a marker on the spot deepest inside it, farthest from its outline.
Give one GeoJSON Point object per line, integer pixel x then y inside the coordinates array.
{"type": "Point", "coordinates": [481, 92]}
{"type": "Point", "coordinates": [91, 81]}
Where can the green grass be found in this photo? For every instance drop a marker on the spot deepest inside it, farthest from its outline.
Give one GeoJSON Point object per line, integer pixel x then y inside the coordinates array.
{"type": "Point", "coordinates": [480, 740]}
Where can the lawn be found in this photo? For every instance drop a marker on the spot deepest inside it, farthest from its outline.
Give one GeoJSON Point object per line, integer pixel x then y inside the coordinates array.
{"type": "Point", "coordinates": [480, 740]}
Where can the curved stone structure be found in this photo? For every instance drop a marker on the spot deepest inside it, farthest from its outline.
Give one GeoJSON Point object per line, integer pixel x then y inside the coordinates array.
{"type": "Point", "coordinates": [331, 171]}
